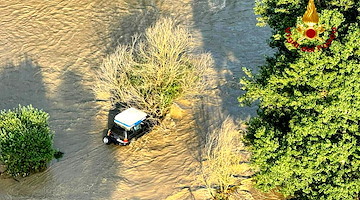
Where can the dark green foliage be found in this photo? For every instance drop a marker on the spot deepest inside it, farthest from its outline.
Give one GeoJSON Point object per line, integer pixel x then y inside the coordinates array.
{"type": "Point", "coordinates": [306, 138]}
{"type": "Point", "coordinates": [25, 140]}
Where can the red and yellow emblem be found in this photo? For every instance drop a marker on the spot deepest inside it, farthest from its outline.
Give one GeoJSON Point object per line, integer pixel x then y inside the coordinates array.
{"type": "Point", "coordinates": [309, 30]}
{"type": "Point", "coordinates": [310, 19]}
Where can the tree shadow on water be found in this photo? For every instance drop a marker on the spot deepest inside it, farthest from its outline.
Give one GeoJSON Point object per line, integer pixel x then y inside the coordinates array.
{"type": "Point", "coordinates": [22, 84]}
{"type": "Point", "coordinates": [229, 33]}
{"type": "Point", "coordinates": [141, 15]}
{"type": "Point", "coordinates": [88, 169]}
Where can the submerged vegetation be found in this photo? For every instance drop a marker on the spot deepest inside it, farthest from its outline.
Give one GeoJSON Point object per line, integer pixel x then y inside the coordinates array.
{"type": "Point", "coordinates": [25, 140]}
{"type": "Point", "coordinates": [157, 68]}
{"type": "Point", "coordinates": [305, 139]}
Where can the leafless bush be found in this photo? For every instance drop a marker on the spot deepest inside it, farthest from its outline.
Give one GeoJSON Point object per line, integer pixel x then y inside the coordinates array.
{"type": "Point", "coordinates": [157, 68]}
{"type": "Point", "coordinates": [222, 161]}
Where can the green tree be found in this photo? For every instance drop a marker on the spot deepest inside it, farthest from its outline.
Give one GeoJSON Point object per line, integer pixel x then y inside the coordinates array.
{"type": "Point", "coordinates": [305, 139]}
{"type": "Point", "coordinates": [25, 140]}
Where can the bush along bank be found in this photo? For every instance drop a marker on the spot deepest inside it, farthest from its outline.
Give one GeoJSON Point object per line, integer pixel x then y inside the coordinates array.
{"type": "Point", "coordinates": [305, 139]}
{"type": "Point", "coordinates": [25, 140]}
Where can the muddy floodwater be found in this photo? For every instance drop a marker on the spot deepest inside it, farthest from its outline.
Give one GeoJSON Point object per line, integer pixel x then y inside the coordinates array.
{"type": "Point", "coordinates": [49, 51]}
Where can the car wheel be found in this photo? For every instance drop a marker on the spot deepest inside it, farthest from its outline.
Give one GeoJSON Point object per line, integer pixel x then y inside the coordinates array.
{"type": "Point", "coordinates": [106, 140]}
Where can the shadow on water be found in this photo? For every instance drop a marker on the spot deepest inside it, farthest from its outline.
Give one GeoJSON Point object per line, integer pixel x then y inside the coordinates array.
{"type": "Point", "coordinates": [141, 15]}
{"type": "Point", "coordinates": [22, 84]}
{"type": "Point", "coordinates": [229, 33]}
{"type": "Point", "coordinates": [88, 168]}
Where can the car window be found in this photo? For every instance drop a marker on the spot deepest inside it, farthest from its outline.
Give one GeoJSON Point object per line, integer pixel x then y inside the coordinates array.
{"type": "Point", "coordinates": [137, 127]}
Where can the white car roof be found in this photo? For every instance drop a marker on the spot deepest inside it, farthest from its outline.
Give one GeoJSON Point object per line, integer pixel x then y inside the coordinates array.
{"type": "Point", "coordinates": [130, 118]}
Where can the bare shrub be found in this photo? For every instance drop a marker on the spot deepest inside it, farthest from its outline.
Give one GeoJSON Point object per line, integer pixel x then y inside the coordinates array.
{"type": "Point", "coordinates": [223, 160]}
{"type": "Point", "coordinates": [157, 68]}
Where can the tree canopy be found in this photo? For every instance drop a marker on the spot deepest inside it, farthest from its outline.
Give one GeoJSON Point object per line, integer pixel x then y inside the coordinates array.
{"type": "Point", "coordinates": [305, 139]}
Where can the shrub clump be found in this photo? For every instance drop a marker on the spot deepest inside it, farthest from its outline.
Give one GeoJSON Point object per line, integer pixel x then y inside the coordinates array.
{"type": "Point", "coordinates": [157, 68]}
{"type": "Point", "coordinates": [305, 139]}
{"type": "Point", "coordinates": [223, 162]}
{"type": "Point", "coordinates": [25, 140]}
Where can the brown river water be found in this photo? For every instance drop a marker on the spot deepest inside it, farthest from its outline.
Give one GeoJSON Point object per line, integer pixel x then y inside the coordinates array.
{"type": "Point", "coordinates": [49, 51]}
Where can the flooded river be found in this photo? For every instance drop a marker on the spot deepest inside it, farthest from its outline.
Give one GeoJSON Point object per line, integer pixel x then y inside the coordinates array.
{"type": "Point", "coordinates": [49, 51]}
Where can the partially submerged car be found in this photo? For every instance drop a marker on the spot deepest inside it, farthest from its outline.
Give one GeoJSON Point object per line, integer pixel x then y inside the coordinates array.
{"type": "Point", "coordinates": [130, 123]}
